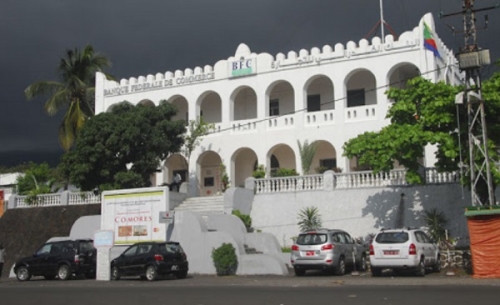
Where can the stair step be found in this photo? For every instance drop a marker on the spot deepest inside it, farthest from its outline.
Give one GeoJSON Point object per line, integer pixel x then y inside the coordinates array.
{"type": "Point", "coordinates": [203, 205]}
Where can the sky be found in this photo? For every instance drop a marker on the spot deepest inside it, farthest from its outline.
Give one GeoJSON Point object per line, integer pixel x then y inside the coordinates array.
{"type": "Point", "coordinates": [155, 36]}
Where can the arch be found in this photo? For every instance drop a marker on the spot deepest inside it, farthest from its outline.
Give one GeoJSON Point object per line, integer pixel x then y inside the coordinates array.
{"type": "Point", "coordinates": [361, 88]}
{"type": "Point", "coordinates": [146, 102]}
{"type": "Point", "coordinates": [243, 164]}
{"type": "Point", "coordinates": [280, 98]}
{"type": "Point", "coordinates": [319, 94]}
{"type": "Point", "coordinates": [399, 75]}
{"type": "Point", "coordinates": [208, 169]}
{"type": "Point", "coordinates": [175, 163]}
{"type": "Point", "coordinates": [325, 158]}
{"type": "Point", "coordinates": [284, 156]}
{"type": "Point", "coordinates": [111, 107]}
{"type": "Point", "coordinates": [243, 104]}
{"type": "Point", "coordinates": [209, 106]}
{"type": "Point", "coordinates": [182, 107]}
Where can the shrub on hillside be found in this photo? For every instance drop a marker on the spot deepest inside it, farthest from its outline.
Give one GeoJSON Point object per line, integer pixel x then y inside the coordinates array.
{"type": "Point", "coordinates": [225, 259]}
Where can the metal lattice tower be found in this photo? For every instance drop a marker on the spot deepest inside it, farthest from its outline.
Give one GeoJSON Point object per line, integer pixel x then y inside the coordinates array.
{"type": "Point", "coordinates": [470, 59]}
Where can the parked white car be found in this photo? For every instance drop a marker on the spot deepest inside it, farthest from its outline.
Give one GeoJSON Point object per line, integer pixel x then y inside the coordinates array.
{"type": "Point", "coordinates": [404, 249]}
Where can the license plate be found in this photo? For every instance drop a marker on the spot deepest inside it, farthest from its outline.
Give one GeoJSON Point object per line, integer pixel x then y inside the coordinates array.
{"type": "Point", "coordinates": [310, 253]}
{"type": "Point", "coordinates": [391, 252]}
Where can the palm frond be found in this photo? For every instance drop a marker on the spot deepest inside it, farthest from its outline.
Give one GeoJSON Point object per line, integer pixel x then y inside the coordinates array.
{"type": "Point", "coordinates": [42, 88]}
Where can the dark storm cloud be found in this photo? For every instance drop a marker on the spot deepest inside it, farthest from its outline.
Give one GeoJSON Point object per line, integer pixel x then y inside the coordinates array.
{"type": "Point", "coordinates": [147, 37]}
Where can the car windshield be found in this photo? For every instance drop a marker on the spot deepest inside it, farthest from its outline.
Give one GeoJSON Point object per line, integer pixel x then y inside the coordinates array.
{"type": "Point", "coordinates": [311, 239]}
{"type": "Point", "coordinates": [392, 237]}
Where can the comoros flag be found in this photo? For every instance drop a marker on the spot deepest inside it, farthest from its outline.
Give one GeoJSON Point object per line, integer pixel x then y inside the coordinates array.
{"type": "Point", "coordinates": [429, 42]}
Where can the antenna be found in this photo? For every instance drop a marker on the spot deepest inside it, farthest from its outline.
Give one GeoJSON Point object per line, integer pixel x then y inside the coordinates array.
{"type": "Point", "coordinates": [382, 23]}
{"type": "Point", "coordinates": [470, 59]}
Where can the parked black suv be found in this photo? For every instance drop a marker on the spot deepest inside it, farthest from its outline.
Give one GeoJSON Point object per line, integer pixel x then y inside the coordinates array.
{"type": "Point", "coordinates": [150, 260]}
{"type": "Point", "coordinates": [59, 258]}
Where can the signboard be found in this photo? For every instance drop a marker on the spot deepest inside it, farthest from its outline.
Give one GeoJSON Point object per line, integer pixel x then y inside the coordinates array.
{"type": "Point", "coordinates": [242, 67]}
{"type": "Point", "coordinates": [104, 239]}
{"type": "Point", "coordinates": [167, 217]}
{"type": "Point", "coordinates": [134, 215]}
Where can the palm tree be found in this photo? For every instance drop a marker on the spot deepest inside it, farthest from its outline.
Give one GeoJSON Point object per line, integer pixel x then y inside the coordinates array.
{"type": "Point", "coordinates": [309, 218]}
{"type": "Point", "coordinates": [76, 91]}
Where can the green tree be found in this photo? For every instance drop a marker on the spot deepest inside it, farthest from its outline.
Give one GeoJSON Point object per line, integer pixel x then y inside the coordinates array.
{"type": "Point", "coordinates": [75, 91]}
{"type": "Point", "coordinates": [37, 179]}
{"type": "Point", "coordinates": [425, 113]}
{"type": "Point", "coordinates": [197, 130]}
{"type": "Point", "coordinates": [307, 152]}
{"type": "Point", "coordinates": [123, 148]}
{"type": "Point", "coordinates": [309, 218]}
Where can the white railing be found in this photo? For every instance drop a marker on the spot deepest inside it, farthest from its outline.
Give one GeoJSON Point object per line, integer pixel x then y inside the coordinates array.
{"type": "Point", "coordinates": [83, 198]}
{"type": "Point", "coordinates": [44, 200]}
{"type": "Point", "coordinates": [361, 113]}
{"type": "Point", "coordinates": [433, 176]}
{"type": "Point", "coordinates": [369, 179]}
{"type": "Point", "coordinates": [364, 179]}
{"type": "Point", "coordinates": [58, 199]}
{"type": "Point", "coordinates": [319, 117]}
{"type": "Point", "coordinates": [279, 122]}
{"type": "Point", "coordinates": [289, 184]}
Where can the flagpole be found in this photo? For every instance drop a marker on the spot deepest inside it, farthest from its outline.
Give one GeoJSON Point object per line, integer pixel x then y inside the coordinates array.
{"type": "Point", "coordinates": [382, 22]}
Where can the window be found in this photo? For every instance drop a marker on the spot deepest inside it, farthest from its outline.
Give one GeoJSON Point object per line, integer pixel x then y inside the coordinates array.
{"type": "Point", "coordinates": [311, 239]}
{"type": "Point", "coordinates": [274, 107]}
{"type": "Point", "coordinates": [313, 103]}
{"type": "Point", "coordinates": [208, 182]}
{"type": "Point", "coordinates": [328, 163]}
{"type": "Point", "coordinates": [339, 238]}
{"type": "Point", "coordinates": [348, 238]}
{"type": "Point", "coordinates": [45, 249]}
{"type": "Point", "coordinates": [355, 98]}
{"type": "Point", "coordinates": [130, 252]}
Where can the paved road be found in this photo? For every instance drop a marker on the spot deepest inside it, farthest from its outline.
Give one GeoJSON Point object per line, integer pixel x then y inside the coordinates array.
{"type": "Point", "coordinates": [242, 290]}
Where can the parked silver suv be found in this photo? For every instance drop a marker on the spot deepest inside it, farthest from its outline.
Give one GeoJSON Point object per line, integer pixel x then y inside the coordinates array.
{"type": "Point", "coordinates": [404, 249]}
{"type": "Point", "coordinates": [329, 250]}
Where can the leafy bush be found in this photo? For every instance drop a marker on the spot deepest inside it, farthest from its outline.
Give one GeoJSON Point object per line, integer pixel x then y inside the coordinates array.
{"type": "Point", "coordinates": [285, 172]}
{"type": "Point", "coordinates": [247, 220]}
{"type": "Point", "coordinates": [225, 259]}
{"type": "Point", "coordinates": [260, 172]}
{"type": "Point", "coordinates": [286, 249]}
{"type": "Point", "coordinates": [436, 222]}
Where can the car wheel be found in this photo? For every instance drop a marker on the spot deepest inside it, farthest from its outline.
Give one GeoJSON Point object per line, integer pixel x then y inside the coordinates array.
{"type": "Point", "coordinates": [299, 272]}
{"type": "Point", "coordinates": [340, 269]}
{"type": "Point", "coordinates": [181, 274]}
{"type": "Point", "coordinates": [49, 277]}
{"type": "Point", "coordinates": [420, 268]}
{"type": "Point", "coordinates": [151, 274]}
{"type": "Point", "coordinates": [361, 265]}
{"type": "Point", "coordinates": [437, 265]}
{"type": "Point", "coordinates": [115, 273]}
{"type": "Point", "coordinates": [23, 274]}
{"type": "Point", "coordinates": [63, 272]}
{"type": "Point", "coordinates": [376, 271]}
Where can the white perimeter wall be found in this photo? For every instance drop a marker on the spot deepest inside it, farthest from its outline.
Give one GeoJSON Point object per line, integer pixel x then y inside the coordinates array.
{"type": "Point", "coordinates": [361, 211]}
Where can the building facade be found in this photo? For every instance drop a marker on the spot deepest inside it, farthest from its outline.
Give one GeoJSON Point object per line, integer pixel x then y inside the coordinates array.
{"type": "Point", "coordinates": [263, 106]}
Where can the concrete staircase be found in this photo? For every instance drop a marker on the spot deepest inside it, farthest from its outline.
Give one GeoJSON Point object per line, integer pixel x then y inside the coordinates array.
{"type": "Point", "coordinates": [203, 205]}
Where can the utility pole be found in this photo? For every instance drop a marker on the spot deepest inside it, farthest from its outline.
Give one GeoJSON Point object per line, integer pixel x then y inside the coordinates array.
{"type": "Point", "coordinates": [471, 58]}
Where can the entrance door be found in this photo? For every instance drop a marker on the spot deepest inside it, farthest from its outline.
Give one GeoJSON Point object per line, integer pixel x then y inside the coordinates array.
{"type": "Point", "coordinates": [210, 181]}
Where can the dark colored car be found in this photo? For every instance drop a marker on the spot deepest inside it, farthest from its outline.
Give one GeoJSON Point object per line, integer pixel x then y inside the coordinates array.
{"type": "Point", "coordinates": [59, 258]}
{"type": "Point", "coordinates": [150, 260]}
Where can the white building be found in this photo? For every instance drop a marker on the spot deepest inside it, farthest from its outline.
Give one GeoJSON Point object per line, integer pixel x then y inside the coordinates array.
{"type": "Point", "coordinates": [262, 105]}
